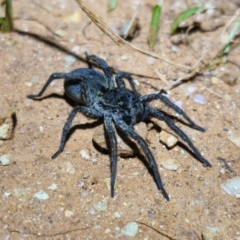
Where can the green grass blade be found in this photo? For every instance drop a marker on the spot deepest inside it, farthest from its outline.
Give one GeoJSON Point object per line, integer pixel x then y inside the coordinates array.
{"type": "Point", "coordinates": [185, 15]}
{"type": "Point", "coordinates": [6, 24]}
{"type": "Point", "coordinates": [154, 25]}
{"type": "Point", "coordinates": [112, 5]}
{"type": "Point", "coordinates": [232, 35]}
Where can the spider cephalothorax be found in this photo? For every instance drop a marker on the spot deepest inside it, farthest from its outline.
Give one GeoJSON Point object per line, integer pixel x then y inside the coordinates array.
{"type": "Point", "coordinates": [98, 98]}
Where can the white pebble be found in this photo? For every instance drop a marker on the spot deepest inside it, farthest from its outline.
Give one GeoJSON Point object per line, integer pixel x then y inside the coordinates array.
{"type": "Point", "coordinates": [167, 138]}
{"type": "Point", "coordinates": [5, 159]}
{"type": "Point", "coordinates": [232, 186]}
{"type": "Point", "coordinates": [170, 164]}
{"type": "Point", "coordinates": [4, 130]}
{"type": "Point", "coordinates": [200, 99]}
{"type": "Point", "coordinates": [84, 154]}
{"type": "Point", "coordinates": [190, 90]}
{"type": "Point", "coordinates": [41, 195]}
{"type": "Point", "coordinates": [130, 230]}
{"type": "Point", "coordinates": [68, 168]}
{"type": "Point", "coordinates": [235, 140]}
{"type": "Point", "coordinates": [53, 186]}
{"type": "Point", "coordinates": [100, 206]}
{"type": "Point", "coordinates": [68, 213]}
{"type": "Point", "coordinates": [69, 60]}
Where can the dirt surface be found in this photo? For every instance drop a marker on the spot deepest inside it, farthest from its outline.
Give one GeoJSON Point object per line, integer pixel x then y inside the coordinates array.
{"type": "Point", "coordinates": [69, 197]}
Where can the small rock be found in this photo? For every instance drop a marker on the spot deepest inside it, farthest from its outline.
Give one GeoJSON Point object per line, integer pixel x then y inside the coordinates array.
{"type": "Point", "coordinates": [21, 194]}
{"type": "Point", "coordinates": [117, 215]}
{"type": "Point", "coordinates": [69, 60]}
{"type": "Point", "coordinates": [68, 168]}
{"type": "Point", "coordinates": [190, 90]}
{"type": "Point", "coordinates": [68, 213]}
{"type": "Point", "coordinates": [130, 230]}
{"type": "Point", "coordinates": [53, 187]}
{"type": "Point", "coordinates": [100, 206]}
{"type": "Point", "coordinates": [41, 195]}
{"type": "Point", "coordinates": [169, 139]}
{"type": "Point", "coordinates": [232, 186]}
{"type": "Point", "coordinates": [170, 164]}
{"type": "Point", "coordinates": [85, 154]}
{"type": "Point", "coordinates": [4, 131]}
{"type": "Point", "coordinates": [227, 97]}
{"type": "Point", "coordinates": [215, 80]}
{"type": "Point", "coordinates": [206, 235]}
{"type": "Point", "coordinates": [235, 140]}
{"type": "Point", "coordinates": [200, 99]}
{"type": "Point", "coordinates": [5, 159]}
{"type": "Point", "coordinates": [74, 17]}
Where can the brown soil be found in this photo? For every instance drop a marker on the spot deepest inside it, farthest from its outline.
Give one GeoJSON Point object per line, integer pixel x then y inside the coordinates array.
{"type": "Point", "coordinates": [198, 205]}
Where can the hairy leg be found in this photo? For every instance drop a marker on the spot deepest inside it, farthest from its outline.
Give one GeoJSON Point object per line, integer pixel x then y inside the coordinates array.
{"type": "Point", "coordinates": [170, 104]}
{"type": "Point", "coordinates": [53, 77]}
{"type": "Point", "coordinates": [106, 69]}
{"type": "Point", "coordinates": [85, 110]}
{"type": "Point", "coordinates": [113, 145]}
{"type": "Point", "coordinates": [120, 124]}
{"type": "Point", "coordinates": [120, 82]}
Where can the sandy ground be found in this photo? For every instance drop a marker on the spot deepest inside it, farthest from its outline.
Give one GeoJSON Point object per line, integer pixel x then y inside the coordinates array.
{"type": "Point", "coordinates": [68, 197]}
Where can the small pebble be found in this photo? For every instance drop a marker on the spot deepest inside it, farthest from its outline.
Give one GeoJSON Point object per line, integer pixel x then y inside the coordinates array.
{"type": "Point", "coordinates": [170, 164]}
{"type": "Point", "coordinates": [232, 186]}
{"type": "Point", "coordinates": [83, 193]}
{"type": "Point", "coordinates": [130, 230]}
{"type": "Point", "coordinates": [227, 97]}
{"type": "Point", "coordinates": [41, 195]}
{"type": "Point", "coordinates": [215, 80]}
{"type": "Point", "coordinates": [60, 32]}
{"type": "Point", "coordinates": [69, 60]}
{"type": "Point", "coordinates": [100, 206]}
{"type": "Point", "coordinates": [41, 129]}
{"type": "Point", "coordinates": [85, 154]}
{"type": "Point", "coordinates": [5, 159]}
{"type": "Point", "coordinates": [53, 187]}
{"type": "Point", "coordinates": [117, 215]}
{"type": "Point", "coordinates": [68, 213]}
{"type": "Point", "coordinates": [200, 99]}
{"type": "Point", "coordinates": [190, 90]}
{"type": "Point", "coordinates": [167, 138]}
{"type": "Point", "coordinates": [206, 235]}
{"type": "Point", "coordinates": [92, 212]}
{"type": "Point", "coordinates": [235, 140]}
{"type": "Point", "coordinates": [68, 168]}
{"type": "Point", "coordinates": [74, 17]}
{"type": "Point", "coordinates": [21, 194]}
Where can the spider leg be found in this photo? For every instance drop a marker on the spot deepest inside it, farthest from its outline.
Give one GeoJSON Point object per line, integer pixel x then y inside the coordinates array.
{"type": "Point", "coordinates": [120, 124]}
{"type": "Point", "coordinates": [53, 77]}
{"type": "Point", "coordinates": [113, 145]}
{"type": "Point", "coordinates": [87, 59]}
{"type": "Point", "coordinates": [86, 111]}
{"type": "Point", "coordinates": [161, 116]}
{"type": "Point", "coordinates": [106, 69]}
{"type": "Point", "coordinates": [173, 106]}
{"type": "Point", "coordinates": [120, 82]}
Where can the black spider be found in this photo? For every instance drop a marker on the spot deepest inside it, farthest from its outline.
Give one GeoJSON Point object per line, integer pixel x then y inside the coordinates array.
{"type": "Point", "coordinates": [98, 98]}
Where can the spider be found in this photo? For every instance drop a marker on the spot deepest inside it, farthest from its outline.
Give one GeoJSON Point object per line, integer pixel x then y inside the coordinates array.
{"type": "Point", "coordinates": [97, 97]}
